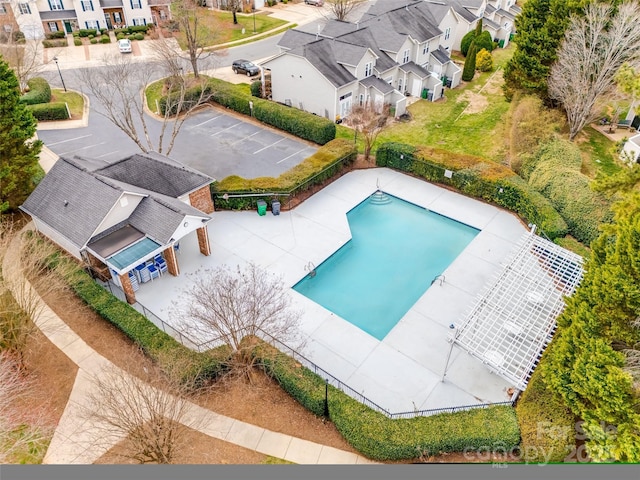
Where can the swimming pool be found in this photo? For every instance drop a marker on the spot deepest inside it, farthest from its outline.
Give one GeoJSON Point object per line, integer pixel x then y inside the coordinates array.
{"type": "Point", "coordinates": [396, 251]}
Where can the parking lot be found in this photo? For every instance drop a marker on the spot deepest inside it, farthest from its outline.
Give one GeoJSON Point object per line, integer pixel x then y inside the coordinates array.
{"type": "Point", "coordinates": [213, 141]}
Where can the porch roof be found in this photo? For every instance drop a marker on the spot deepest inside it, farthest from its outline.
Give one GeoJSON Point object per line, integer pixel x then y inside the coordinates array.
{"type": "Point", "coordinates": [58, 15]}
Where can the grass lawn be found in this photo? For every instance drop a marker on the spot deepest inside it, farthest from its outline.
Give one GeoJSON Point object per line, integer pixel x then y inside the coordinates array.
{"type": "Point", "coordinates": [152, 93]}
{"type": "Point", "coordinates": [598, 153]}
{"type": "Point", "coordinates": [219, 27]}
{"type": "Point", "coordinates": [73, 99]}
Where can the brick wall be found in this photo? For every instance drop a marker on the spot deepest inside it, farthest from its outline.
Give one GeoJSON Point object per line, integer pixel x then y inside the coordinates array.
{"type": "Point", "coordinates": [201, 199]}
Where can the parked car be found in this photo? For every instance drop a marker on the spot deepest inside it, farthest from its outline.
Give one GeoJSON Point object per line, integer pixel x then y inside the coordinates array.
{"type": "Point", "coordinates": [246, 67]}
{"type": "Point", "coordinates": [124, 45]}
{"type": "Point", "coordinates": [317, 3]}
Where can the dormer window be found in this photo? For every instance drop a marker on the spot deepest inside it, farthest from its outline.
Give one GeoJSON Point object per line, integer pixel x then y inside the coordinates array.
{"type": "Point", "coordinates": [425, 48]}
{"type": "Point", "coordinates": [368, 69]}
{"type": "Point", "coordinates": [405, 56]}
{"type": "Point", "coordinates": [447, 33]}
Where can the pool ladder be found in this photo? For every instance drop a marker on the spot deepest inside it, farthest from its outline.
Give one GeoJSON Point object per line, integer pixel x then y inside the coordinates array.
{"type": "Point", "coordinates": [438, 277]}
{"type": "Point", "coordinates": [311, 268]}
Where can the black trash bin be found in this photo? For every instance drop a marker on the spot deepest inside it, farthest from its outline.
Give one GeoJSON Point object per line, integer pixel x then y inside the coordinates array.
{"type": "Point", "coordinates": [275, 207]}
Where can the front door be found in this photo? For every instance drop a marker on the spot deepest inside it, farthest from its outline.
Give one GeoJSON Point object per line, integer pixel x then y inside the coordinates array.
{"type": "Point", "coordinates": [107, 18]}
{"type": "Point", "coordinates": [416, 87]}
{"type": "Point", "coordinates": [67, 26]}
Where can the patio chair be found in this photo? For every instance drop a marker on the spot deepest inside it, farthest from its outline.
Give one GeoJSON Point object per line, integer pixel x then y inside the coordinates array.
{"type": "Point", "coordinates": [161, 265]}
{"type": "Point", "coordinates": [153, 271]}
{"type": "Point", "coordinates": [133, 278]}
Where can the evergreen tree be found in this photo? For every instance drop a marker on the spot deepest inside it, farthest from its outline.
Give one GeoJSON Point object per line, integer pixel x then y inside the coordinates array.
{"type": "Point", "coordinates": [588, 361]}
{"type": "Point", "coordinates": [470, 63]}
{"type": "Point", "coordinates": [19, 168]}
{"type": "Point", "coordinates": [466, 42]}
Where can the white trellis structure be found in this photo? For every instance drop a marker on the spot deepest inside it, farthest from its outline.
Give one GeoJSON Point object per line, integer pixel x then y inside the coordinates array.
{"type": "Point", "coordinates": [514, 319]}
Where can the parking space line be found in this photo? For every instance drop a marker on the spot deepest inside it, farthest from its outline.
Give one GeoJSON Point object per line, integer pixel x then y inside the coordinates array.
{"type": "Point", "coordinates": [269, 146]}
{"type": "Point", "coordinates": [68, 140]}
{"type": "Point", "coordinates": [106, 154]}
{"type": "Point", "coordinates": [225, 129]}
{"type": "Point", "coordinates": [82, 148]}
{"type": "Point", "coordinates": [293, 154]}
{"type": "Point", "coordinates": [207, 121]}
{"type": "Point", "coordinates": [242, 139]}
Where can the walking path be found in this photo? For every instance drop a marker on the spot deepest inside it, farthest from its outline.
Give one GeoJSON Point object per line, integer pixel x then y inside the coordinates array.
{"type": "Point", "coordinates": [74, 441]}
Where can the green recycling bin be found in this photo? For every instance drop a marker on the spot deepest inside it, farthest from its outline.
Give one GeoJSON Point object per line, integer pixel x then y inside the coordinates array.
{"type": "Point", "coordinates": [262, 207]}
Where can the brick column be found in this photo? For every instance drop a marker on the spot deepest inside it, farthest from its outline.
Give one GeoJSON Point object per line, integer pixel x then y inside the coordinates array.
{"type": "Point", "coordinates": [127, 288]}
{"type": "Point", "coordinates": [201, 199]}
{"type": "Point", "coordinates": [172, 261]}
{"type": "Point", "coordinates": [203, 241]}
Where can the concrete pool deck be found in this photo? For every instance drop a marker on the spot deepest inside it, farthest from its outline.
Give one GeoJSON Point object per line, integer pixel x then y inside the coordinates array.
{"type": "Point", "coordinates": [401, 373]}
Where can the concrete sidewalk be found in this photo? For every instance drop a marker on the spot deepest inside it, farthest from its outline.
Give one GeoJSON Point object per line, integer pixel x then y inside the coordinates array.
{"type": "Point", "coordinates": [74, 439]}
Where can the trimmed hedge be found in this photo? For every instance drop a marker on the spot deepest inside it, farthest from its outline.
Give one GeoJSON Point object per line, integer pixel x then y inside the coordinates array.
{"type": "Point", "coordinates": [105, 39]}
{"type": "Point", "coordinates": [547, 426]}
{"type": "Point", "coordinates": [380, 438]}
{"type": "Point", "coordinates": [39, 92]}
{"type": "Point", "coordinates": [161, 347]}
{"type": "Point", "coordinates": [49, 111]}
{"type": "Point", "coordinates": [289, 181]}
{"type": "Point", "coordinates": [297, 122]}
{"type": "Point", "coordinates": [478, 178]}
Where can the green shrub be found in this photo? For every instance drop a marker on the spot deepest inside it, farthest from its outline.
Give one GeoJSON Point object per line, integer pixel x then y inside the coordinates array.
{"type": "Point", "coordinates": [93, 41]}
{"type": "Point", "coordinates": [121, 31]}
{"type": "Point", "coordinates": [49, 111]}
{"type": "Point", "coordinates": [137, 36]}
{"type": "Point", "coordinates": [547, 426]}
{"type": "Point", "coordinates": [120, 36]}
{"type": "Point", "coordinates": [476, 177]}
{"type": "Point", "coordinates": [484, 41]}
{"type": "Point", "coordinates": [381, 438]}
{"type": "Point", "coordinates": [138, 29]}
{"type": "Point", "coordinates": [39, 92]}
{"type": "Point", "coordinates": [52, 35]}
{"type": "Point", "coordinates": [54, 43]}
{"type": "Point", "coordinates": [77, 42]}
{"type": "Point", "coordinates": [105, 39]}
{"type": "Point", "coordinates": [469, 68]}
{"type": "Point", "coordinates": [484, 61]}
{"type": "Point", "coordinates": [466, 42]}
{"type": "Point", "coordinates": [256, 88]}
{"type": "Point", "coordinates": [325, 160]}
{"type": "Point", "coordinates": [76, 34]}
{"type": "Point", "coordinates": [85, 32]}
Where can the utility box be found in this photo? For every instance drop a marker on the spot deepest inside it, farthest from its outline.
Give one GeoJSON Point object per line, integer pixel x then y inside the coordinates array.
{"type": "Point", "coordinates": [275, 207]}
{"type": "Point", "coordinates": [262, 207]}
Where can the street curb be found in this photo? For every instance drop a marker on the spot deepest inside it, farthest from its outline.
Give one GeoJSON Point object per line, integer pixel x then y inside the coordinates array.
{"type": "Point", "coordinates": [67, 124]}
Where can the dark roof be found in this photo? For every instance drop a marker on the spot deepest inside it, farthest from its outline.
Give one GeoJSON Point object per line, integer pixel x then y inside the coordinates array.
{"type": "Point", "coordinates": [320, 54]}
{"type": "Point", "coordinates": [506, 14]}
{"type": "Point", "coordinates": [515, 9]}
{"type": "Point", "coordinates": [441, 55]}
{"type": "Point", "coordinates": [294, 38]}
{"type": "Point", "coordinates": [72, 201]}
{"type": "Point", "coordinates": [335, 28]}
{"type": "Point", "coordinates": [462, 7]}
{"type": "Point", "coordinates": [414, 68]}
{"type": "Point", "coordinates": [156, 173]}
{"type": "Point", "coordinates": [489, 8]}
{"type": "Point", "coordinates": [110, 3]}
{"type": "Point", "coordinates": [58, 15]}
{"type": "Point", "coordinates": [378, 84]}
{"type": "Point", "coordinates": [365, 38]}
{"type": "Point", "coordinates": [490, 23]}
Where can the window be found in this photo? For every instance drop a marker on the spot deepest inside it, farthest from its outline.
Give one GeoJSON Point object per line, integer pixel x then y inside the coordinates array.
{"type": "Point", "coordinates": [24, 8]}
{"type": "Point", "coordinates": [368, 69]}
{"type": "Point", "coordinates": [447, 33]}
{"type": "Point", "coordinates": [87, 5]}
{"type": "Point", "coordinates": [400, 84]}
{"type": "Point", "coordinates": [3, 9]}
{"type": "Point", "coordinates": [117, 18]}
{"type": "Point", "coordinates": [136, 4]}
{"type": "Point", "coordinates": [163, 15]}
{"type": "Point", "coordinates": [139, 21]}
{"type": "Point", "coordinates": [425, 48]}
{"type": "Point", "coordinates": [53, 27]}
{"type": "Point", "coordinates": [91, 24]}
{"type": "Point", "coordinates": [405, 56]}
{"type": "Point", "coordinates": [56, 5]}
{"type": "Point", "coordinates": [361, 100]}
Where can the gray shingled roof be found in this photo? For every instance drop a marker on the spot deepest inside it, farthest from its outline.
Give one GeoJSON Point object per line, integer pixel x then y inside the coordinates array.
{"type": "Point", "coordinates": [294, 38]}
{"type": "Point", "coordinates": [378, 84]}
{"type": "Point", "coordinates": [416, 69]}
{"type": "Point", "coordinates": [462, 7]}
{"type": "Point", "coordinates": [506, 14]}
{"type": "Point", "coordinates": [441, 55]}
{"type": "Point", "coordinates": [335, 28]}
{"type": "Point", "coordinates": [58, 15]}
{"type": "Point", "coordinates": [72, 201]}
{"type": "Point", "coordinates": [348, 54]}
{"type": "Point", "coordinates": [156, 173]}
{"type": "Point", "coordinates": [320, 54]}
{"type": "Point", "coordinates": [387, 38]}
{"type": "Point", "coordinates": [110, 3]}
{"type": "Point", "coordinates": [365, 38]}
{"type": "Point", "coordinates": [489, 9]}
{"type": "Point", "coordinates": [490, 23]}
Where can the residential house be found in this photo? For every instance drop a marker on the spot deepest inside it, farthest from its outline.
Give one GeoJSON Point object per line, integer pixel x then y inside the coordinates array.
{"type": "Point", "coordinates": [8, 23]}
{"type": "Point", "coordinates": [388, 54]}
{"type": "Point", "coordinates": [36, 18]}
{"type": "Point", "coordinates": [124, 220]}
{"type": "Point", "coordinates": [631, 150]}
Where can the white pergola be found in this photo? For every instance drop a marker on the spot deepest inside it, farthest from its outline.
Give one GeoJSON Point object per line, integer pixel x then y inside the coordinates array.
{"type": "Point", "coordinates": [514, 319]}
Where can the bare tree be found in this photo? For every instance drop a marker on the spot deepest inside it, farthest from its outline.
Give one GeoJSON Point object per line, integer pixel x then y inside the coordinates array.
{"type": "Point", "coordinates": [233, 309]}
{"type": "Point", "coordinates": [23, 58]}
{"type": "Point", "coordinates": [151, 413]}
{"type": "Point", "coordinates": [368, 120]}
{"type": "Point", "coordinates": [119, 88]}
{"type": "Point", "coordinates": [197, 35]}
{"type": "Point", "coordinates": [21, 430]}
{"type": "Point", "coordinates": [594, 49]}
{"type": "Point", "coordinates": [342, 8]}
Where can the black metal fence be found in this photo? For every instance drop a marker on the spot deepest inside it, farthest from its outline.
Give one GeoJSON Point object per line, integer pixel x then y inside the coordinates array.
{"type": "Point", "coordinates": [284, 348]}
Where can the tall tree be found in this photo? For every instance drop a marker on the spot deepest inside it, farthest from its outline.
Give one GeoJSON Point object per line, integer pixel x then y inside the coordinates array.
{"type": "Point", "coordinates": [540, 26]}
{"type": "Point", "coordinates": [342, 8]}
{"type": "Point", "coordinates": [587, 366]}
{"type": "Point", "coordinates": [19, 169]}
{"type": "Point", "coordinates": [596, 46]}
{"type": "Point", "coordinates": [469, 68]}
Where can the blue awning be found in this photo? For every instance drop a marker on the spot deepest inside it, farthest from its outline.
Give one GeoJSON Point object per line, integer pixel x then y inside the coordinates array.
{"type": "Point", "coordinates": [133, 254]}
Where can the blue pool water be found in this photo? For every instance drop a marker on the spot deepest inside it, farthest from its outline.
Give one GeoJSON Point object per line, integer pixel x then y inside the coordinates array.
{"type": "Point", "coordinates": [396, 250]}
